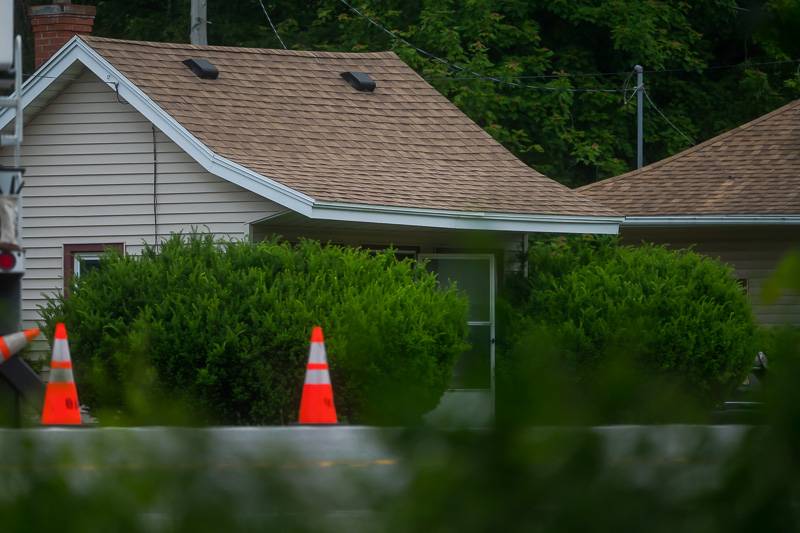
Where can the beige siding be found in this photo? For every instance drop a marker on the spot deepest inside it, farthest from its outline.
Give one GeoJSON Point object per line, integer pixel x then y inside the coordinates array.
{"type": "Point", "coordinates": [89, 179]}
{"type": "Point", "coordinates": [753, 252]}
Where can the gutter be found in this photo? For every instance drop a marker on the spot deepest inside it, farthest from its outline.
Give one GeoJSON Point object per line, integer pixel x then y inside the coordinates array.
{"type": "Point", "coordinates": [711, 220]}
{"type": "Point", "coordinates": [471, 220]}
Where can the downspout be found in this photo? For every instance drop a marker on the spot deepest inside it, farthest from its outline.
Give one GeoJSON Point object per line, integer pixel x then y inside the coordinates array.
{"type": "Point", "coordinates": [155, 190]}
{"type": "Point", "coordinates": [525, 244]}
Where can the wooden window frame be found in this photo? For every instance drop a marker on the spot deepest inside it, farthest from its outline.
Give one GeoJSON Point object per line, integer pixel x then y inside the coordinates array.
{"type": "Point", "coordinates": [97, 248]}
{"type": "Point", "coordinates": [405, 250]}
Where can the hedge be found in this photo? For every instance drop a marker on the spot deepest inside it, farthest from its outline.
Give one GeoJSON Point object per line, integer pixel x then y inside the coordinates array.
{"type": "Point", "coordinates": [645, 312]}
{"type": "Point", "coordinates": [223, 329]}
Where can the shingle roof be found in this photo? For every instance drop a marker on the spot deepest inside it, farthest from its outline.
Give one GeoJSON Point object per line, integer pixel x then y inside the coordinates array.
{"type": "Point", "coordinates": [751, 170]}
{"type": "Point", "coordinates": [288, 115]}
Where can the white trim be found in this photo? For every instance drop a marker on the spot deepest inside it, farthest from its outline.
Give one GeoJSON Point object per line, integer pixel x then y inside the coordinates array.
{"type": "Point", "coordinates": [712, 220]}
{"type": "Point", "coordinates": [78, 256]}
{"type": "Point", "coordinates": [471, 220]}
{"type": "Point", "coordinates": [76, 50]}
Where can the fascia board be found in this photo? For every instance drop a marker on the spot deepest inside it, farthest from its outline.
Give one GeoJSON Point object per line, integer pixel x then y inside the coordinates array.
{"type": "Point", "coordinates": [483, 221]}
{"type": "Point", "coordinates": [77, 50]}
{"type": "Point", "coordinates": [711, 220]}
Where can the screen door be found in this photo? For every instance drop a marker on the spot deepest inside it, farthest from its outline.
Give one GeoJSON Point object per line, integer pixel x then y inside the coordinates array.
{"type": "Point", "coordinates": [472, 385]}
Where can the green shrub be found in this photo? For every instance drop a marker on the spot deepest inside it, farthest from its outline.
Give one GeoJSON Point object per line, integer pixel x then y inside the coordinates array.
{"type": "Point", "coordinates": [225, 328]}
{"type": "Point", "coordinates": [655, 314]}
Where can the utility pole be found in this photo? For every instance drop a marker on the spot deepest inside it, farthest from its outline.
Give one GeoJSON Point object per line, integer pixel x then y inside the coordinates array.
{"type": "Point", "coordinates": [639, 115]}
{"type": "Point", "coordinates": [197, 24]}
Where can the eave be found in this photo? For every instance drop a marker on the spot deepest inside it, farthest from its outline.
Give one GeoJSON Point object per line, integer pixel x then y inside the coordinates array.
{"type": "Point", "coordinates": [710, 220]}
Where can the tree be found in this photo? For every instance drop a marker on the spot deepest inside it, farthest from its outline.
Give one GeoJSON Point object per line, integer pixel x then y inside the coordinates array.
{"type": "Point", "coordinates": [710, 65]}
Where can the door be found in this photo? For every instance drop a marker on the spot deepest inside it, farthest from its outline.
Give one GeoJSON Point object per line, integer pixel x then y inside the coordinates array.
{"type": "Point", "coordinates": [470, 400]}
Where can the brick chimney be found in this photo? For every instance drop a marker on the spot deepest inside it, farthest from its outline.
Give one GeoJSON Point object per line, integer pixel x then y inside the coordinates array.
{"type": "Point", "coordinates": [55, 24]}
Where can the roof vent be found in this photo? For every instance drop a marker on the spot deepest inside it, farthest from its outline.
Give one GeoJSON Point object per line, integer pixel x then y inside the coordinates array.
{"type": "Point", "coordinates": [360, 81]}
{"type": "Point", "coordinates": [202, 68]}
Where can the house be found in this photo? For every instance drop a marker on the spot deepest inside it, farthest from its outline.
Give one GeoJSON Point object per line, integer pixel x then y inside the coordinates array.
{"type": "Point", "coordinates": [127, 142]}
{"type": "Point", "coordinates": [735, 197]}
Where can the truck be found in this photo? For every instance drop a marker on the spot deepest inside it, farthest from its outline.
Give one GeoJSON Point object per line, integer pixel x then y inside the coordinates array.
{"type": "Point", "coordinates": [18, 381]}
{"type": "Point", "coordinates": [12, 255]}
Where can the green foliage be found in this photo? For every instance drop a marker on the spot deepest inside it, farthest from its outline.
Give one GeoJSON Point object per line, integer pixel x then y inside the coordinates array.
{"type": "Point", "coordinates": [786, 277]}
{"type": "Point", "coordinates": [550, 46]}
{"type": "Point", "coordinates": [634, 315]}
{"type": "Point", "coordinates": [775, 342]}
{"type": "Point", "coordinates": [779, 341]}
{"type": "Point", "coordinates": [510, 477]}
{"type": "Point", "coordinates": [225, 328]}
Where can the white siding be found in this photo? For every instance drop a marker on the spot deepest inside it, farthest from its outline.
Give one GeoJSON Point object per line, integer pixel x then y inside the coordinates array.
{"type": "Point", "coordinates": [753, 252]}
{"type": "Point", "coordinates": [89, 179]}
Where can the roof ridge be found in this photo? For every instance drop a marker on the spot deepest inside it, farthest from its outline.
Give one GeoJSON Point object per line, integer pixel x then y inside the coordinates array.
{"type": "Point", "coordinates": [241, 49]}
{"type": "Point", "coordinates": [693, 149]}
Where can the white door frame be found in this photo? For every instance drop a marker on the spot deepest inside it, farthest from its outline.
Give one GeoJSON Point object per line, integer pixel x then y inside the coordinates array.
{"type": "Point", "coordinates": [491, 322]}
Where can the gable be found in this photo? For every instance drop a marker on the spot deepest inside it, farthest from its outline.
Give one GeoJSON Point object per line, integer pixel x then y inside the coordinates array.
{"type": "Point", "coordinates": [98, 172]}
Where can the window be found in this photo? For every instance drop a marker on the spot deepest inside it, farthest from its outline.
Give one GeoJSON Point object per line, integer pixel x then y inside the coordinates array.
{"type": "Point", "coordinates": [84, 262]}
{"type": "Point", "coordinates": [80, 258]}
{"type": "Point", "coordinates": [405, 252]}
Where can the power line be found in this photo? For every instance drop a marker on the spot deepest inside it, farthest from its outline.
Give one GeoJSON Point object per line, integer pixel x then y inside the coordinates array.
{"type": "Point", "coordinates": [525, 85]}
{"type": "Point", "coordinates": [625, 96]}
{"type": "Point", "coordinates": [743, 64]}
{"type": "Point", "coordinates": [454, 66]}
{"type": "Point", "coordinates": [646, 95]}
{"type": "Point", "coordinates": [393, 35]}
{"type": "Point", "coordinates": [573, 75]}
{"type": "Point", "coordinates": [274, 29]}
{"type": "Point", "coordinates": [477, 75]}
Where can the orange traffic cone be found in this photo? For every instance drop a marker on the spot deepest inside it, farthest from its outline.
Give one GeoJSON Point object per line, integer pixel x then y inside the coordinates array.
{"type": "Point", "coordinates": [316, 405]}
{"type": "Point", "coordinates": [14, 342]}
{"type": "Point", "coordinates": [61, 397]}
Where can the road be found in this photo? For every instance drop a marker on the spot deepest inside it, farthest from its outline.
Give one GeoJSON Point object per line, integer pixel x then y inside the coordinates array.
{"type": "Point", "coordinates": [343, 473]}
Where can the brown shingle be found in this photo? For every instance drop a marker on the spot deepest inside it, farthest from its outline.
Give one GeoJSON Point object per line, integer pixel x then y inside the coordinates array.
{"type": "Point", "coordinates": [751, 170]}
{"type": "Point", "coordinates": [288, 115]}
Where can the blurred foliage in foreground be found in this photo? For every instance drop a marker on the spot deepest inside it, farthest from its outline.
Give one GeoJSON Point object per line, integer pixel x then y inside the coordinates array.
{"type": "Point", "coordinates": [617, 322]}
{"type": "Point", "coordinates": [513, 477]}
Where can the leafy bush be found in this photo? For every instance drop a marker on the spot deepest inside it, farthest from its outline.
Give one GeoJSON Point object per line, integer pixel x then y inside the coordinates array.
{"type": "Point", "coordinates": [224, 328]}
{"type": "Point", "coordinates": [646, 311]}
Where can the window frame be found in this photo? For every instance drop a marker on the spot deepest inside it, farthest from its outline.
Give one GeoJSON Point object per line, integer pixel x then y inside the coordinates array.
{"type": "Point", "coordinates": [401, 252]}
{"type": "Point", "coordinates": [74, 251]}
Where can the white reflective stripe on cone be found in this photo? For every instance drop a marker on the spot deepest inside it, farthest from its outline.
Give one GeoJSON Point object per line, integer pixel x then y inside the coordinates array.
{"type": "Point", "coordinates": [316, 354]}
{"type": "Point", "coordinates": [61, 375]}
{"type": "Point", "coordinates": [61, 350]}
{"type": "Point", "coordinates": [318, 377]}
{"type": "Point", "coordinates": [15, 342]}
